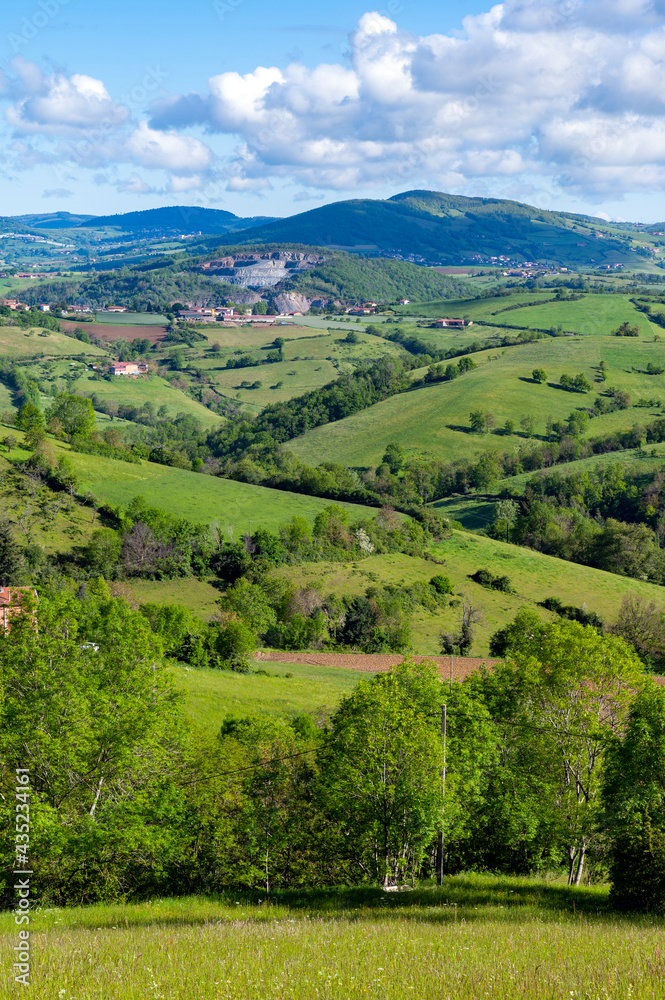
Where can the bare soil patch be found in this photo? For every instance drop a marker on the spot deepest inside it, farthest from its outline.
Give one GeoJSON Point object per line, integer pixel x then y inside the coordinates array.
{"type": "Point", "coordinates": [108, 332]}
{"type": "Point", "coordinates": [375, 663]}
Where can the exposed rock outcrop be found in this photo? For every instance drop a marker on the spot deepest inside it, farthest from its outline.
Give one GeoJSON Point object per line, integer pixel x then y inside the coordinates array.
{"type": "Point", "coordinates": [290, 302]}
{"type": "Point", "coordinates": [260, 270]}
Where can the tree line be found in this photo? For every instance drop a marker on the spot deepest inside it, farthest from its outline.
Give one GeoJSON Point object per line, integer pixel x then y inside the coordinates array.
{"type": "Point", "coordinates": [555, 761]}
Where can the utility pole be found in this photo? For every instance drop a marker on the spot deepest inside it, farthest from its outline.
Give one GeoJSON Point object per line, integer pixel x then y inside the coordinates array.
{"type": "Point", "coordinates": [439, 839]}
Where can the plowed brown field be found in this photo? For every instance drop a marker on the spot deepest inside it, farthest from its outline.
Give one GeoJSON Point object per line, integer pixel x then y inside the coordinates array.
{"type": "Point", "coordinates": [377, 663]}
{"type": "Point", "coordinates": [109, 332]}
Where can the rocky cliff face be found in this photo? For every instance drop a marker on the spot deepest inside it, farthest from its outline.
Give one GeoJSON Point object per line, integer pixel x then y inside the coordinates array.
{"type": "Point", "coordinates": [291, 302]}
{"type": "Point", "coordinates": [260, 270]}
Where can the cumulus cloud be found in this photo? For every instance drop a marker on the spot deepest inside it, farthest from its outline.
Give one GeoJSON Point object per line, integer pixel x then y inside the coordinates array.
{"type": "Point", "coordinates": [167, 150]}
{"type": "Point", "coordinates": [570, 90]}
{"type": "Point", "coordinates": [87, 128]}
{"type": "Point", "coordinates": [60, 105]}
{"type": "Point", "coordinates": [57, 193]}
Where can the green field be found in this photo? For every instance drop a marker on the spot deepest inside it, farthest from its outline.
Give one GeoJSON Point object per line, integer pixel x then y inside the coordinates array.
{"type": "Point", "coordinates": [197, 497]}
{"type": "Point", "coordinates": [136, 392]}
{"type": "Point", "coordinates": [534, 577]}
{"type": "Point", "coordinates": [476, 936]}
{"type": "Point", "coordinates": [131, 319]}
{"type": "Point", "coordinates": [592, 314]}
{"type": "Point", "coordinates": [16, 343]}
{"type": "Point", "coordinates": [310, 360]}
{"type": "Point", "coordinates": [435, 418]}
{"type": "Point", "coordinates": [288, 689]}
{"type": "Point", "coordinates": [296, 377]}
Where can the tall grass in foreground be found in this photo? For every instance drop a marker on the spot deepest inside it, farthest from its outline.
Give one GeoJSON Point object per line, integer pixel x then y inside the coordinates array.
{"type": "Point", "coordinates": [477, 937]}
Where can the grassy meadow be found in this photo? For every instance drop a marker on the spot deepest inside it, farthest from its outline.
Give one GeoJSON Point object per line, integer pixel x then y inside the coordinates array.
{"type": "Point", "coordinates": [596, 315]}
{"type": "Point", "coordinates": [280, 690]}
{"type": "Point", "coordinates": [435, 418]}
{"type": "Point", "coordinates": [476, 936]}
{"type": "Point", "coordinates": [534, 577]}
{"type": "Point", "coordinates": [311, 358]}
{"type": "Point", "coordinates": [136, 392]}
{"type": "Point", "coordinates": [197, 497]}
{"type": "Point", "coordinates": [17, 344]}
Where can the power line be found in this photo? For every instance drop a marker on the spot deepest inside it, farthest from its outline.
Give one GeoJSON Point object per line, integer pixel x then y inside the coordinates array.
{"type": "Point", "coordinates": [460, 715]}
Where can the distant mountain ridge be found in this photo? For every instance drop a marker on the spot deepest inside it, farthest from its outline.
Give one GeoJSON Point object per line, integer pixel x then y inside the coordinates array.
{"type": "Point", "coordinates": [179, 219]}
{"type": "Point", "coordinates": [423, 227]}
{"type": "Point", "coordinates": [432, 227]}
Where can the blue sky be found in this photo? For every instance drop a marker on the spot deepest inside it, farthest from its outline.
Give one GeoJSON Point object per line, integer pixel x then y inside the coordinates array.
{"type": "Point", "coordinates": [265, 108]}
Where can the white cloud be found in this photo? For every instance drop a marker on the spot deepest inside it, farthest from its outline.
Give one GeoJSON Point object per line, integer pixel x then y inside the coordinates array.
{"type": "Point", "coordinates": [167, 150]}
{"type": "Point", "coordinates": [58, 119]}
{"type": "Point", "coordinates": [570, 90]}
{"type": "Point", "coordinates": [62, 105]}
{"type": "Point", "coordinates": [57, 193]}
{"type": "Point", "coordinates": [134, 185]}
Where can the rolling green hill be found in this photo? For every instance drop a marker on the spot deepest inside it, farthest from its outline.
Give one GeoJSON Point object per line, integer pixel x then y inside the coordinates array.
{"type": "Point", "coordinates": [174, 218]}
{"type": "Point", "coordinates": [450, 228]}
{"type": "Point", "coordinates": [435, 418]}
{"type": "Point", "coordinates": [197, 497]}
{"type": "Point", "coordinates": [540, 310]}
{"type": "Point", "coordinates": [534, 576]}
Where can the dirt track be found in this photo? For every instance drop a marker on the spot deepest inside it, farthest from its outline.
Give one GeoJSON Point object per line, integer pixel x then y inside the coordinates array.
{"type": "Point", "coordinates": [376, 663]}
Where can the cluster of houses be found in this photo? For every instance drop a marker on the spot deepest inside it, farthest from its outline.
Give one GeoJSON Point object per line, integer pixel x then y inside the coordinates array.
{"type": "Point", "coordinates": [198, 314]}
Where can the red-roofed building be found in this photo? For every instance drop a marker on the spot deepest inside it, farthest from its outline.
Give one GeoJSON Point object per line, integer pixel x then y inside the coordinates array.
{"type": "Point", "coordinates": [10, 603]}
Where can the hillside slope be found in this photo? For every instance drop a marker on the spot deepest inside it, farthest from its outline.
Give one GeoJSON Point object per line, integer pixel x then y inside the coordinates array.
{"type": "Point", "coordinates": [435, 418]}
{"type": "Point", "coordinates": [177, 218]}
{"type": "Point", "coordinates": [449, 228]}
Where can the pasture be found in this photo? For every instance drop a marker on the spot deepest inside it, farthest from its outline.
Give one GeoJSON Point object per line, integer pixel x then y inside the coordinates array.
{"type": "Point", "coordinates": [509, 938]}
{"type": "Point", "coordinates": [197, 497]}
{"type": "Point", "coordinates": [594, 315]}
{"type": "Point", "coordinates": [17, 344]}
{"type": "Point", "coordinates": [435, 418]}
{"type": "Point", "coordinates": [278, 381]}
{"type": "Point", "coordinates": [130, 319]}
{"type": "Point", "coordinates": [139, 391]}
{"type": "Point", "coordinates": [279, 690]}
{"type": "Point", "coordinates": [534, 576]}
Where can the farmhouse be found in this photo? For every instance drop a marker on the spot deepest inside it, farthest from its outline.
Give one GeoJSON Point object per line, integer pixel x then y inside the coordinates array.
{"type": "Point", "coordinates": [197, 315]}
{"type": "Point", "coordinates": [10, 604]}
{"type": "Point", "coordinates": [13, 304]}
{"type": "Point", "coordinates": [456, 324]}
{"type": "Point", "coordinates": [129, 368]}
{"type": "Point", "coordinates": [116, 309]}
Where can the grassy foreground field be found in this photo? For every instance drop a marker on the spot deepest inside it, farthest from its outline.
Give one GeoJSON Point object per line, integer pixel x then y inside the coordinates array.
{"type": "Point", "coordinates": [477, 936]}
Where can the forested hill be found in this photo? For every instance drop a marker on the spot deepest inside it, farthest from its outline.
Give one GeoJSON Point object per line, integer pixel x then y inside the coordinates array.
{"type": "Point", "coordinates": [453, 229]}
{"type": "Point", "coordinates": [178, 219]}
{"type": "Point", "coordinates": [341, 276]}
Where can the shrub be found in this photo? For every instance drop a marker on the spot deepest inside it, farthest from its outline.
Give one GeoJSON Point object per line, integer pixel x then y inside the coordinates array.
{"type": "Point", "coordinates": [488, 579]}
{"type": "Point", "coordinates": [441, 584]}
